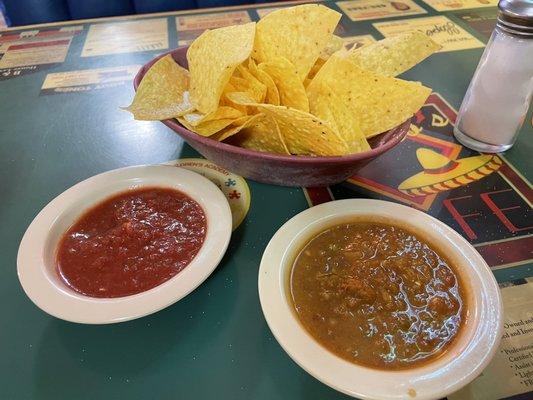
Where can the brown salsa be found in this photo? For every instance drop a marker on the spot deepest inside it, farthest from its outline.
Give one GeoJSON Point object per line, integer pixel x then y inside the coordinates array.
{"type": "Point", "coordinates": [377, 295]}
{"type": "Point", "coordinates": [131, 242]}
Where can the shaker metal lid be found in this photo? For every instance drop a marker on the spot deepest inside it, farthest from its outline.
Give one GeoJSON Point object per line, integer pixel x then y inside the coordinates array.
{"type": "Point", "coordinates": [516, 16]}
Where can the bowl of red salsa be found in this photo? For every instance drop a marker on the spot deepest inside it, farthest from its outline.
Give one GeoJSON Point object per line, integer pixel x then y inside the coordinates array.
{"type": "Point", "coordinates": [124, 244]}
{"type": "Point", "coordinates": [379, 300]}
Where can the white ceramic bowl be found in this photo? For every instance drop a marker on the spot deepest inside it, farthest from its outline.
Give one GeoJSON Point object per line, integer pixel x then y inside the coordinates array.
{"type": "Point", "coordinates": [36, 264]}
{"type": "Point", "coordinates": [466, 357]}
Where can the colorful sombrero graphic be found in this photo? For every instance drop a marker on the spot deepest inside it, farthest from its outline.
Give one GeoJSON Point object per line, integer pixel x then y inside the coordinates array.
{"type": "Point", "coordinates": [441, 173]}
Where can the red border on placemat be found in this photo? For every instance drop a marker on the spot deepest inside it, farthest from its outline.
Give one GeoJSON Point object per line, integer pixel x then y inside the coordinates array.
{"type": "Point", "coordinates": [516, 180]}
{"type": "Point", "coordinates": [39, 44]}
{"type": "Point", "coordinates": [41, 34]}
{"type": "Point", "coordinates": [513, 251]}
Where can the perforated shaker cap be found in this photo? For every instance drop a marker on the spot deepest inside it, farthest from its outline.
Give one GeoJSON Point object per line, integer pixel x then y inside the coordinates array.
{"type": "Point", "coordinates": [516, 17]}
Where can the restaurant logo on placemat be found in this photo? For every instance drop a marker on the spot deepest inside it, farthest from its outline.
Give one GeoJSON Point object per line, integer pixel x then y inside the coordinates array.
{"type": "Point", "coordinates": [440, 28]}
{"type": "Point", "coordinates": [479, 195]}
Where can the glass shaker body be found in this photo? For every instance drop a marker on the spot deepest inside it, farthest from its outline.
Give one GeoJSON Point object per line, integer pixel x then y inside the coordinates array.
{"type": "Point", "coordinates": [499, 95]}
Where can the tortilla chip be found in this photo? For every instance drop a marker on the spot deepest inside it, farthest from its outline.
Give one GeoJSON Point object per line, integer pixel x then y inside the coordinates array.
{"type": "Point", "coordinates": [290, 87]}
{"type": "Point", "coordinates": [272, 94]}
{"type": "Point", "coordinates": [213, 57]}
{"type": "Point", "coordinates": [241, 85]}
{"type": "Point", "coordinates": [229, 87]}
{"type": "Point", "coordinates": [349, 129]}
{"type": "Point", "coordinates": [235, 127]}
{"type": "Point", "coordinates": [207, 128]}
{"type": "Point", "coordinates": [334, 44]}
{"type": "Point", "coordinates": [314, 70]}
{"type": "Point", "coordinates": [298, 34]}
{"type": "Point", "coordinates": [377, 103]}
{"type": "Point", "coordinates": [304, 133]}
{"type": "Point", "coordinates": [394, 55]}
{"type": "Point", "coordinates": [332, 110]}
{"type": "Point", "coordinates": [255, 87]}
{"type": "Point", "coordinates": [225, 102]}
{"type": "Point", "coordinates": [162, 93]}
{"type": "Point", "coordinates": [238, 84]}
{"type": "Point", "coordinates": [263, 135]}
{"type": "Point", "coordinates": [246, 82]}
{"type": "Point", "coordinates": [222, 112]}
{"type": "Point", "coordinates": [241, 98]}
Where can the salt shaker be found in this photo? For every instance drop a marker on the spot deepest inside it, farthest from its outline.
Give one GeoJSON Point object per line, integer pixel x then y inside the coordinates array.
{"type": "Point", "coordinates": [499, 95]}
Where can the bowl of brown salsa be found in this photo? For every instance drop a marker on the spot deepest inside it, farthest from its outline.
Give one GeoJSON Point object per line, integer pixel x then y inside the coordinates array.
{"type": "Point", "coordinates": [380, 300]}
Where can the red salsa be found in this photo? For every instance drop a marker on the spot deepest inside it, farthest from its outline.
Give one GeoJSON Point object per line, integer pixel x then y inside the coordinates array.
{"type": "Point", "coordinates": [131, 242]}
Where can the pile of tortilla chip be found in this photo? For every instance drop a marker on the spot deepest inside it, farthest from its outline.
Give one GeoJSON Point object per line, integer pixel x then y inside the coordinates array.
{"type": "Point", "coordinates": [287, 85]}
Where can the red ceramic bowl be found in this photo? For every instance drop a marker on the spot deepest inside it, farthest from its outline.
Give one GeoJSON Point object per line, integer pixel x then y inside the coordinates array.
{"type": "Point", "coordinates": [278, 169]}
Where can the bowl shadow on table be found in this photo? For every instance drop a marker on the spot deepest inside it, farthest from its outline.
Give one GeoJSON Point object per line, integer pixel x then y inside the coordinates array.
{"type": "Point", "coordinates": [93, 353]}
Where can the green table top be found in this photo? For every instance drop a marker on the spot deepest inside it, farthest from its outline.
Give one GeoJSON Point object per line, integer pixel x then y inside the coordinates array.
{"type": "Point", "coordinates": [215, 342]}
